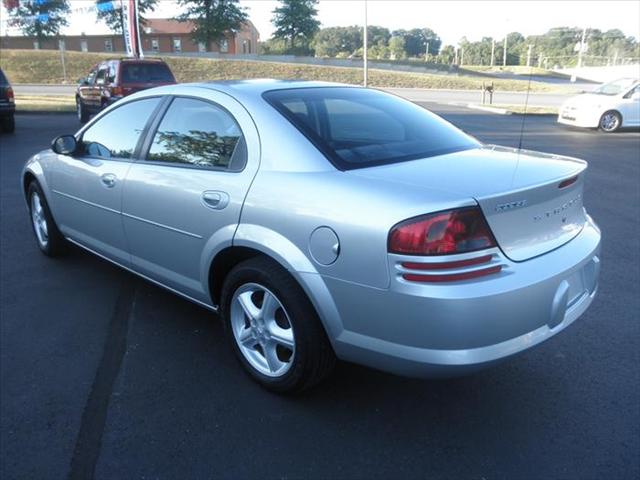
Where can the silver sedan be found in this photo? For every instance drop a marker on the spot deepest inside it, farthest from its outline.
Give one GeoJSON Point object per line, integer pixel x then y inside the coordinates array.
{"type": "Point", "coordinates": [325, 221]}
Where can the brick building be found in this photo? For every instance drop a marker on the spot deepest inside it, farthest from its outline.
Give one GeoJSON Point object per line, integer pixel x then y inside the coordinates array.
{"type": "Point", "coordinates": [159, 35]}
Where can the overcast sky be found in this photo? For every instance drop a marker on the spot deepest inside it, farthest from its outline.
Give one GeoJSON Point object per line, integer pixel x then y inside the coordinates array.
{"type": "Point", "coordinates": [450, 19]}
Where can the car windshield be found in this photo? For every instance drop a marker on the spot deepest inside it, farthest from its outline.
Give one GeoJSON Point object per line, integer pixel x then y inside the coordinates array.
{"type": "Point", "coordinates": [616, 87]}
{"type": "Point", "coordinates": [146, 73]}
{"type": "Point", "coordinates": [357, 127]}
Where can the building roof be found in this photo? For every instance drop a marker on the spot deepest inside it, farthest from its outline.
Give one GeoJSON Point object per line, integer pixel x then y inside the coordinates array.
{"type": "Point", "coordinates": [171, 26]}
{"type": "Point", "coordinates": [167, 25]}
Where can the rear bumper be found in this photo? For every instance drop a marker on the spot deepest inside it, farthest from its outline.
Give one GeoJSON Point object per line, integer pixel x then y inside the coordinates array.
{"type": "Point", "coordinates": [453, 329]}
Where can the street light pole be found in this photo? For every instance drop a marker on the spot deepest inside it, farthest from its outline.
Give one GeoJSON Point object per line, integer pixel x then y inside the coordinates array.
{"type": "Point", "coordinates": [504, 54]}
{"type": "Point", "coordinates": [365, 44]}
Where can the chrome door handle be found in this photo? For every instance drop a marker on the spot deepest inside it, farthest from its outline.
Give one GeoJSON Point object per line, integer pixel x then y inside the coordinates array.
{"type": "Point", "coordinates": [109, 180]}
{"type": "Point", "coordinates": [214, 199]}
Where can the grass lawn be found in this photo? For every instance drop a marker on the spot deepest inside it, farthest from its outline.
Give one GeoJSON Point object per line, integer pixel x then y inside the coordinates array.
{"type": "Point", "coordinates": [41, 66]}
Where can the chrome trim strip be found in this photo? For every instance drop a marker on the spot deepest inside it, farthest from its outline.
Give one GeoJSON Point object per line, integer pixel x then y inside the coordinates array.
{"type": "Point", "coordinates": [213, 308]}
{"type": "Point", "coordinates": [87, 202]}
{"type": "Point", "coordinates": [167, 227]}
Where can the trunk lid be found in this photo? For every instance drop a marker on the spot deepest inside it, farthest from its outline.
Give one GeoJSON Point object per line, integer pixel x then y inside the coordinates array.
{"type": "Point", "coordinates": [518, 191]}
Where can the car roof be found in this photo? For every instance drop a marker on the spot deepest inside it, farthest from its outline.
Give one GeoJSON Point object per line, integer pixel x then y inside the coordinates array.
{"type": "Point", "coordinates": [260, 85]}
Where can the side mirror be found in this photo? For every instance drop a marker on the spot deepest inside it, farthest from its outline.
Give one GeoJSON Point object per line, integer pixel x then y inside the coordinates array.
{"type": "Point", "coordinates": [64, 145]}
{"type": "Point", "coordinates": [636, 96]}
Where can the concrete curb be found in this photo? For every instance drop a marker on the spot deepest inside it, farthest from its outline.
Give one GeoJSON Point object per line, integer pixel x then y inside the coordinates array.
{"type": "Point", "coordinates": [44, 112]}
{"type": "Point", "coordinates": [499, 111]}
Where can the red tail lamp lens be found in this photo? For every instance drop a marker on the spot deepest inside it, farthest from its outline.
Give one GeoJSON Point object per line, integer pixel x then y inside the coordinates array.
{"type": "Point", "coordinates": [568, 182]}
{"type": "Point", "coordinates": [442, 233]}
{"type": "Point", "coordinates": [10, 95]}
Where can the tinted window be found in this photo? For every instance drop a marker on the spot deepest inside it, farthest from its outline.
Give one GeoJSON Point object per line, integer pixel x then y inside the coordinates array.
{"type": "Point", "coordinates": [357, 127]}
{"type": "Point", "coordinates": [198, 133]}
{"type": "Point", "coordinates": [146, 73]}
{"type": "Point", "coordinates": [117, 133]}
{"type": "Point", "coordinates": [3, 79]}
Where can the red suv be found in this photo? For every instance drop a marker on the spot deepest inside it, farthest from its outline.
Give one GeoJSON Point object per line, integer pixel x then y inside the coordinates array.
{"type": "Point", "coordinates": [111, 80]}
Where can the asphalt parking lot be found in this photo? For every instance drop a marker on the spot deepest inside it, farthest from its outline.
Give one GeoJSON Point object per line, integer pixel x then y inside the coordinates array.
{"type": "Point", "coordinates": [102, 370]}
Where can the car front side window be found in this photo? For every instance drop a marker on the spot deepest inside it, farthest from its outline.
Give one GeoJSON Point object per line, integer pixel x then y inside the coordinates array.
{"type": "Point", "coordinates": [116, 134]}
{"type": "Point", "coordinates": [200, 134]}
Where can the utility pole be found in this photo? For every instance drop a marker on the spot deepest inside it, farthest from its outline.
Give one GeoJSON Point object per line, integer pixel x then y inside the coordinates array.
{"type": "Point", "coordinates": [493, 51]}
{"type": "Point", "coordinates": [529, 55]}
{"type": "Point", "coordinates": [455, 50]}
{"type": "Point", "coordinates": [584, 37]}
{"type": "Point", "coordinates": [365, 44]}
{"type": "Point", "coordinates": [426, 53]}
{"type": "Point", "coordinates": [462, 56]}
{"type": "Point", "coordinates": [504, 54]}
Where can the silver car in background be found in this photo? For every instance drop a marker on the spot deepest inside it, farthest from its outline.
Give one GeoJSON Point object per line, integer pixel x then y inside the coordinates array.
{"type": "Point", "coordinates": [323, 221]}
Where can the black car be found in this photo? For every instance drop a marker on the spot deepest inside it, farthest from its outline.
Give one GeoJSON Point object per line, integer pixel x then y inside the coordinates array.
{"type": "Point", "coordinates": [7, 104]}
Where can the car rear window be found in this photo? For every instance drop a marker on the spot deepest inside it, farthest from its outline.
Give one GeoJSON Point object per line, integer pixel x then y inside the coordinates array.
{"type": "Point", "coordinates": [358, 127]}
{"type": "Point", "coordinates": [146, 73]}
{"type": "Point", "coordinates": [3, 79]}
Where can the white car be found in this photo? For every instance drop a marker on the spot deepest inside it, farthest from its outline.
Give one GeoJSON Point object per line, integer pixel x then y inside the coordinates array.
{"type": "Point", "coordinates": [609, 107]}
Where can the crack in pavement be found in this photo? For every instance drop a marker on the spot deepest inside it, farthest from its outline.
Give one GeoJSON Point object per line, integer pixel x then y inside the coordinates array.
{"type": "Point", "coordinates": [89, 439]}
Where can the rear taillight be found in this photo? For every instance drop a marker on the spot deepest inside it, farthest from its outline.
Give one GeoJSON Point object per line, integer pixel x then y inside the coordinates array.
{"type": "Point", "coordinates": [442, 233]}
{"type": "Point", "coordinates": [10, 95]}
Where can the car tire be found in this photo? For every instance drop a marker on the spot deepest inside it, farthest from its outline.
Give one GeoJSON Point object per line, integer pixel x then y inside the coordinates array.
{"type": "Point", "coordinates": [49, 239]}
{"type": "Point", "coordinates": [9, 124]}
{"type": "Point", "coordinates": [81, 110]}
{"type": "Point", "coordinates": [302, 355]}
{"type": "Point", "coordinates": [610, 121]}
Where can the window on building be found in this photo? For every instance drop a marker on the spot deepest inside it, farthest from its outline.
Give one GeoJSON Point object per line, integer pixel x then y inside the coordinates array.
{"type": "Point", "coordinates": [155, 45]}
{"type": "Point", "coordinates": [61, 45]}
{"type": "Point", "coordinates": [84, 46]}
{"type": "Point", "coordinates": [108, 45]}
{"type": "Point", "coordinates": [177, 45]}
{"type": "Point", "coordinates": [224, 46]}
{"type": "Point", "coordinates": [200, 134]}
{"type": "Point", "coordinates": [202, 47]}
{"type": "Point", "coordinates": [36, 45]}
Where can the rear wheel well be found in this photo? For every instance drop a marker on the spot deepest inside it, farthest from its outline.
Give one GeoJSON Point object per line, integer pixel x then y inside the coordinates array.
{"type": "Point", "coordinates": [222, 264]}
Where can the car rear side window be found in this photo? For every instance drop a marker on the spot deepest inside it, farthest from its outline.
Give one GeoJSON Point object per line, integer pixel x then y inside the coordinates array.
{"type": "Point", "coordinates": [146, 73]}
{"type": "Point", "coordinates": [357, 127]}
{"type": "Point", "coordinates": [116, 134]}
{"type": "Point", "coordinates": [200, 134]}
{"type": "Point", "coordinates": [3, 79]}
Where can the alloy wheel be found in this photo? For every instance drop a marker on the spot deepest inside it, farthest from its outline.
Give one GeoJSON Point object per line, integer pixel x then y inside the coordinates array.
{"type": "Point", "coordinates": [609, 122]}
{"type": "Point", "coordinates": [262, 330]}
{"type": "Point", "coordinates": [39, 220]}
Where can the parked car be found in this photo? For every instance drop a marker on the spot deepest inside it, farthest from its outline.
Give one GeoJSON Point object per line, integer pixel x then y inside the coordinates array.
{"type": "Point", "coordinates": [111, 80]}
{"type": "Point", "coordinates": [322, 221]}
{"type": "Point", "coordinates": [609, 107]}
{"type": "Point", "coordinates": [7, 105]}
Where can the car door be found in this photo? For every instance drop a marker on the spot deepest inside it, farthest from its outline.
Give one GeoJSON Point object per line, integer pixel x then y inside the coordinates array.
{"type": "Point", "coordinates": [85, 88]}
{"type": "Point", "coordinates": [87, 187]}
{"type": "Point", "coordinates": [630, 108]}
{"type": "Point", "coordinates": [94, 94]}
{"type": "Point", "coordinates": [182, 201]}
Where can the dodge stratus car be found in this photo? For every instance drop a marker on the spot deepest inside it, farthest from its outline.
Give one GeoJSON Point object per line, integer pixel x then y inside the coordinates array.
{"type": "Point", "coordinates": [325, 221]}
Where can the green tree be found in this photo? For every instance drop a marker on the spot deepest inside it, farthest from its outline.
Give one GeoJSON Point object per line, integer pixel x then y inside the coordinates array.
{"type": "Point", "coordinates": [40, 19]}
{"type": "Point", "coordinates": [295, 21]}
{"type": "Point", "coordinates": [416, 40]}
{"type": "Point", "coordinates": [212, 19]}
{"type": "Point", "coordinates": [397, 48]}
{"type": "Point", "coordinates": [113, 16]}
{"type": "Point", "coordinates": [337, 41]}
